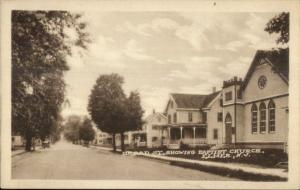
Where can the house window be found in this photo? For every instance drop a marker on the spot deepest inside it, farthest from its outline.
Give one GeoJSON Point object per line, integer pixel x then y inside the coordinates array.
{"type": "Point", "coordinates": [215, 133]}
{"type": "Point", "coordinates": [262, 121]}
{"type": "Point", "coordinates": [200, 132]}
{"type": "Point", "coordinates": [190, 116]}
{"type": "Point", "coordinates": [175, 118]}
{"type": "Point", "coordinates": [228, 96]}
{"type": "Point", "coordinates": [271, 108]}
{"type": "Point", "coordinates": [220, 116]}
{"type": "Point", "coordinates": [204, 117]}
{"type": "Point", "coordinates": [169, 119]}
{"type": "Point", "coordinates": [254, 118]}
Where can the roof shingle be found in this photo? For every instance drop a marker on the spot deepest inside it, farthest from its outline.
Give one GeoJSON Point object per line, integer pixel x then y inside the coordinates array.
{"type": "Point", "coordinates": [195, 101]}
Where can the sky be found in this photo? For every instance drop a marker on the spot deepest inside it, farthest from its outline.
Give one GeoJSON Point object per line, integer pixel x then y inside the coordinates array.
{"type": "Point", "coordinates": [159, 53]}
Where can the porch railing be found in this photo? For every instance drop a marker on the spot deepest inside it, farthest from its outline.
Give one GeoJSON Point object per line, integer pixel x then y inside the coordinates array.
{"type": "Point", "coordinates": [194, 141]}
{"type": "Point", "coordinates": [189, 141]}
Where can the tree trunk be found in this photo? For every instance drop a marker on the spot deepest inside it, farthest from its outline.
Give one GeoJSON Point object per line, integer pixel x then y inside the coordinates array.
{"type": "Point", "coordinates": [122, 142]}
{"type": "Point", "coordinates": [114, 142]}
{"type": "Point", "coordinates": [28, 137]}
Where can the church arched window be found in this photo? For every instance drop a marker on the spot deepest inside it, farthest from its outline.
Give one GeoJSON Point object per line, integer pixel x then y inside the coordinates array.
{"type": "Point", "coordinates": [254, 118]}
{"type": "Point", "coordinates": [271, 110]}
{"type": "Point", "coordinates": [262, 117]}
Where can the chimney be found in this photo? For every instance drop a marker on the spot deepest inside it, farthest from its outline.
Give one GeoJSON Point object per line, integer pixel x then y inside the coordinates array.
{"type": "Point", "coordinates": [214, 89]}
{"type": "Point", "coordinates": [153, 111]}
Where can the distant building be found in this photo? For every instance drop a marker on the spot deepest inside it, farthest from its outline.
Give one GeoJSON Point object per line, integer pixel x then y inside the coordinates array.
{"type": "Point", "coordinates": [17, 140]}
{"type": "Point", "coordinates": [101, 138]}
{"type": "Point", "coordinates": [151, 134]}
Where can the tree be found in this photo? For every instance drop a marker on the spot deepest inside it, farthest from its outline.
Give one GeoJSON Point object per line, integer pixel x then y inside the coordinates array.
{"type": "Point", "coordinates": [71, 128]}
{"type": "Point", "coordinates": [39, 49]}
{"type": "Point", "coordinates": [106, 104]}
{"type": "Point", "coordinates": [133, 118]}
{"type": "Point", "coordinates": [86, 131]}
{"type": "Point", "coordinates": [279, 24]}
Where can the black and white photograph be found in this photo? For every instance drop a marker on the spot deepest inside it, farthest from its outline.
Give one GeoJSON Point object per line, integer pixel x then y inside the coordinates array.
{"type": "Point", "coordinates": [149, 96]}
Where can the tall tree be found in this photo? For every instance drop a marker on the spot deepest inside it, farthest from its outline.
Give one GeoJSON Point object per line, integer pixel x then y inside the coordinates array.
{"type": "Point", "coordinates": [86, 131]}
{"type": "Point", "coordinates": [71, 128]}
{"type": "Point", "coordinates": [279, 24]}
{"type": "Point", "coordinates": [107, 104]}
{"type": "Point", "coordinates": [39, 49]}
{"type": "Point", "coordinates": [133, 117]}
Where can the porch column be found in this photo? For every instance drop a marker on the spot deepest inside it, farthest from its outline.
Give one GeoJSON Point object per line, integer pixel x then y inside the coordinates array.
{"type": "Point", "coordinates": [181, 133]}
{"type": "Point", "coordinates": [169, 135]}
{"type": "Point", "coordinates": [194, 135]}
{"type": "Point", "coordinates": [161, 135]}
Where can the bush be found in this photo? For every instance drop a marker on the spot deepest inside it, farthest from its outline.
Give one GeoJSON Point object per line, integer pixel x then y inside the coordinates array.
{"type": "Point", "coordinates": [183, 146]}
{"type": "Point", "coordinates": [267, 157]}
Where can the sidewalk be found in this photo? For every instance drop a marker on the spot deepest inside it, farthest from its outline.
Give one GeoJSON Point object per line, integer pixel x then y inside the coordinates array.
{"type": "Point", "coordinates": [105, 148]}
{"type": "Point", "coordinates": [232, 169]}
{"type": "Point", "coordinates": [22, 151]}
{"type": "Point", "coordinates": [17, 152]}
{"type": "Point", "coordinates": [272, 173]}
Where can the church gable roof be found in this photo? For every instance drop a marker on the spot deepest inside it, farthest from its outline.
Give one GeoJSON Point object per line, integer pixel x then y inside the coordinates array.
{"type": "Point", "coordinates": [278, 59]}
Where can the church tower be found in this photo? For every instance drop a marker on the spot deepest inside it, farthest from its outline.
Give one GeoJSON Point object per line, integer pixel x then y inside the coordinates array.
{"type": "Point", "coordinates": [232, 110]}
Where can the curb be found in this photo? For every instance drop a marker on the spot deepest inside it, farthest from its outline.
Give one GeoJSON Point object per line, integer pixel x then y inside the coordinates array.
{"type": "Point", "coordinates": [106, 148]}
{"type": "Point", "coordinates": [219, 170]}
{"type": "Point", "coordinates": [23, 152]}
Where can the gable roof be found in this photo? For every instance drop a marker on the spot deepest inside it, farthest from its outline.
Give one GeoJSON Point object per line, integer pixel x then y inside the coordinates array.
{"type": "Point", "coordinates": [195, 101]}
{"type": "Point", "coordinates": [210, 98]}
{"type": "Point", "coordinates": [278, 59]}
{"type": "Point", "coordinates": [155, 114]}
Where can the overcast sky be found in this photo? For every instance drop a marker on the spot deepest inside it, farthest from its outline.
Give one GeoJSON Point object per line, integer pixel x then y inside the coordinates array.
{"type": "Point", "coordinates": [159, 53]}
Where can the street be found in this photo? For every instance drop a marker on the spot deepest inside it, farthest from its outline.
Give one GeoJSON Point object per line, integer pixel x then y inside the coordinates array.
{"type": "Point", "coordinates": [67, 161]}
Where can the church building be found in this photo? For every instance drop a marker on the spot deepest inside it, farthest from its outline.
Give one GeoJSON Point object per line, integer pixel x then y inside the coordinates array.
{"type": "Point", "coordinates": [249, 112]}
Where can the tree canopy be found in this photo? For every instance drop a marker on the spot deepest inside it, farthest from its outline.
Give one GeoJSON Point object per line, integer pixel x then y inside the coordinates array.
{"type": "Point", "coordinates": [279, 24]}
{"type": "Point", "coordinates": [86, 131]}
{"type": "Point", "coordinates": [106, 103]}
{"type": "Point", "coordinates": [111, 110]}
{"type": "Point", "coordinates": [134, 113]}
{"type": "Point", "coordinates": [40, 45]}
{"type": "Point", "coordinates": [71, 128]}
